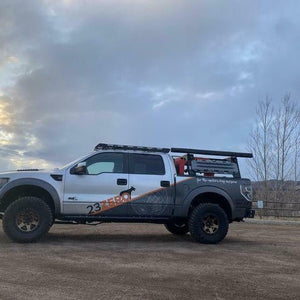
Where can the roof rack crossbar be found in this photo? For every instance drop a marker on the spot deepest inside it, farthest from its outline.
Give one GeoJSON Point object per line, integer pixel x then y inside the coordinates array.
{"type": "Point", "coordinates": [211, 152]}
{"type": "Point", "coordinates": [103, 146]}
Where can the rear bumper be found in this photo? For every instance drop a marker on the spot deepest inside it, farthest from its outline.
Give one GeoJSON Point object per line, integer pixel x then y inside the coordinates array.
{"type": "Point", "coordinates": [250, 213]}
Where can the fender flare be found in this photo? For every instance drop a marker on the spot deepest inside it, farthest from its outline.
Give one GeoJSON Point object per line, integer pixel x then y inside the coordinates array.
{"type": "Point", "coordinates": [201, 190]}
{"type": "Point", "coordinates": [36, 182]}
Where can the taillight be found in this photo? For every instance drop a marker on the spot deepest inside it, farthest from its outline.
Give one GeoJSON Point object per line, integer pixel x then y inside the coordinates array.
{"type": "Point", "coordinates": [246, 191]}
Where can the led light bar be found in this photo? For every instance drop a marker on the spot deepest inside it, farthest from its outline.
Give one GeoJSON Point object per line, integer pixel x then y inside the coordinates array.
{"type": "Point", "coordinates": [103, 146]}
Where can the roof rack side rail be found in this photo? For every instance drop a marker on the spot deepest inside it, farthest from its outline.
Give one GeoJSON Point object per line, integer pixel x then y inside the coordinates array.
{"type": "Point", "coordinates": [211, 152]}
{"type": "Point", "coordinates": [103, 146]}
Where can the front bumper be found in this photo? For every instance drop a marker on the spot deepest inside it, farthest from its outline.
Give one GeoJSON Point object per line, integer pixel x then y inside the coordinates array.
{"type": "Point", "coordinates": [250, 213]}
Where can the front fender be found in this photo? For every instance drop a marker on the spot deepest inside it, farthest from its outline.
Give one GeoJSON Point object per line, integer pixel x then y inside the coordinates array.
{"type": "Point", "coordinates": [35, 182]}
{"type": "Point", "coordinates": [201, 190]}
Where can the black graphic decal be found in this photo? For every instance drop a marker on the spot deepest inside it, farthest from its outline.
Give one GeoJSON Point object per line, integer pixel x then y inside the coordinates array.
{"type": "Point", "coordinates": [129, 191]}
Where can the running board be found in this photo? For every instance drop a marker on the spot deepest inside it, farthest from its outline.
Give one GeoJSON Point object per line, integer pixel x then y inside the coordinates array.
{"type": "Point", "coordinates": [81, 218]}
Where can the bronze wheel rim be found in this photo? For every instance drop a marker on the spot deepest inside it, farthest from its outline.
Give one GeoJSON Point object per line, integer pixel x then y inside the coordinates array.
{"type": "Point", "coordinates": [210, 224]}
{"type": "Point", "coordinates": [27, 220]}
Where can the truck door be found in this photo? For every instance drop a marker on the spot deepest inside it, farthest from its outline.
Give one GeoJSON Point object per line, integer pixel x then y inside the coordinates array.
{"type": "Point", "coordinates": [152, 185]}
{"type": "Point", "coordinates": [98, 191]}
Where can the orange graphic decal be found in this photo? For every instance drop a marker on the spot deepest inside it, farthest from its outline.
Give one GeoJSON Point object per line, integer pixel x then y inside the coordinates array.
{"type": "Point", "coordinates": [124, 197]}
{"type": "Point", "coordinates": [111, 203]}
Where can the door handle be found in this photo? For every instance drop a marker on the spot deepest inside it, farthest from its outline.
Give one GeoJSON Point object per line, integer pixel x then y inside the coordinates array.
{"type": "Point", "coordinates": [165, 183]}
{"type": "Point", "coordinates": [121, 181]}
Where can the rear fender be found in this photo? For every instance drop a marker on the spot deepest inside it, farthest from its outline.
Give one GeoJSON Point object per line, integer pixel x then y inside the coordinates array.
{"type": "Point", "coordinates": [201, 190]}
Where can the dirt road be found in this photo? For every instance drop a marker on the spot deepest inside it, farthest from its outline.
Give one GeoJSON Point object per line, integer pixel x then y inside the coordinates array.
{"type": "Point", "coordinates": [141, 261]}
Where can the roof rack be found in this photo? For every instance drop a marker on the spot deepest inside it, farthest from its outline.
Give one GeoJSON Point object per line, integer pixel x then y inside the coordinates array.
{"type": "Point", "coordinates": [211, 152]}
{"type": "Point", "coordinates": [103, 146]}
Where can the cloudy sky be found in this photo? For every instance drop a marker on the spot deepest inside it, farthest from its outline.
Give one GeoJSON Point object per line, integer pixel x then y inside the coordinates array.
{"type": "Point", "coordinates": [160, 73]}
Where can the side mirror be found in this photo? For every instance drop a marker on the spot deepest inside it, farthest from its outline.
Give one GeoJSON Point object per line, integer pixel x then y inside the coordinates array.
{"type": "Point", "coordinates": [80, 169]}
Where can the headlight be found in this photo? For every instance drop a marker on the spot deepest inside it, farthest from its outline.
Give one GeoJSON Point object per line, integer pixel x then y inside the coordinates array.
{"type": "Point", "coordinates": [246, 191]}
{"type": "Point", "coordinates": [3, 181]}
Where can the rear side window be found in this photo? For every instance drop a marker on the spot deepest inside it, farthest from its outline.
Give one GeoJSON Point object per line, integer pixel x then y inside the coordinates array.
{"type": "Point", "coordinates": [146, 164]}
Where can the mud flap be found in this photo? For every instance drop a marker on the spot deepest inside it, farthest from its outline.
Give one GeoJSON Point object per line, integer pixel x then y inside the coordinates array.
{"type": "Point", "coordinates": [250, 213]}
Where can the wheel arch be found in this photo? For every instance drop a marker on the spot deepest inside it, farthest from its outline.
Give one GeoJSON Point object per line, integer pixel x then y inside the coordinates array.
{"type": "Point", "coordinates": [30, 187]}
{"type": "Point", "coordinates": [209, 195]}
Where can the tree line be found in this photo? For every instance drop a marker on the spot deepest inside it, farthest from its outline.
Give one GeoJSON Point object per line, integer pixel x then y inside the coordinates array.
{"type": "Point", "coordinates": [275, 144]}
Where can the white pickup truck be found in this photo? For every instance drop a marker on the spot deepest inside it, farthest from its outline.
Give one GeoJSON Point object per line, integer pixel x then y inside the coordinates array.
{"type": "Point", "coordinates": [119, 183]}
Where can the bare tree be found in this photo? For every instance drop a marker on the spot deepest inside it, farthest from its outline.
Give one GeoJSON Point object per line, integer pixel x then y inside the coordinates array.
{"type": "Point", "coordinates": [261, 146]}
{"type": "Point", "coordinates": [275, 144]}
{"type": "Point", "coordinates": [296, 155]}
{"type": "Point", "coordinates": [286, 127]}
{"type": "Point", "coordinates": [260, 141]}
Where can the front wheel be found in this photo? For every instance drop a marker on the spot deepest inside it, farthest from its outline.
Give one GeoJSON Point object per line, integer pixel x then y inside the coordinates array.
{"type": "Point", "coordinates": [27, 219]}
{"type": "Point", "coordinates": [208, 223]}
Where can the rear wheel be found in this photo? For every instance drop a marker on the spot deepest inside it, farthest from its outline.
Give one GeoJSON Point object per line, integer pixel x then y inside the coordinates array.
{"type": "Point", "coordinates": [208, 223]}
{"type": "Point", "coordinates": [178, 228]}
{"type": "Point", "coordinates": [27, 219]}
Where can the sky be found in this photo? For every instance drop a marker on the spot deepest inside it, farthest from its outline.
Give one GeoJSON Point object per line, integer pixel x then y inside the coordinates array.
{"type": "Point", "coordinates": [143, 72]}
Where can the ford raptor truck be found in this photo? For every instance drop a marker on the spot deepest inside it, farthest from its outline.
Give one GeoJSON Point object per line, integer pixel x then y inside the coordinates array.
{"type": "Point", "coordinates": [120, 183]}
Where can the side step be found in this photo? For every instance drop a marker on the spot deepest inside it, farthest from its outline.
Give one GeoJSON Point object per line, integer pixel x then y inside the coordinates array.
{"type": "Point", "coordinates": [85, 218]}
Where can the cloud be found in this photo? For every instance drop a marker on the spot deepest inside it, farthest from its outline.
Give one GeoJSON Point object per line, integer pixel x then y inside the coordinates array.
{"type": "Point", "coordinates": [74, 73]}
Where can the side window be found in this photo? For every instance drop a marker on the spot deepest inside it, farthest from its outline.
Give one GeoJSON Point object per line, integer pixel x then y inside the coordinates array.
{"type": "Point", "coordinates": [146, 164]}
{"type": "Point", "coordinates": [105, 163]}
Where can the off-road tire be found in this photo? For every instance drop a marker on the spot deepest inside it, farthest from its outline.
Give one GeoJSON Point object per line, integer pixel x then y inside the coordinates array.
{"type": "Point", "coordinates": [197, 225]}
{"type": "Point", "coordinates": [27, 206]}
{"type": "Point", "coordinates": [177, 228]}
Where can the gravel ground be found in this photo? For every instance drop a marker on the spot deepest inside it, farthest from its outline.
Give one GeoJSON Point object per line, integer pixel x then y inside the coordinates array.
{"type": "Point", "coordinates": [143, 261]}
